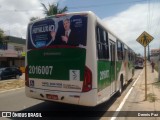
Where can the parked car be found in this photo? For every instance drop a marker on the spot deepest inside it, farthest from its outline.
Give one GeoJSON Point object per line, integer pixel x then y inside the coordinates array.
{"type": "Point", "coordinates": [10, 72]}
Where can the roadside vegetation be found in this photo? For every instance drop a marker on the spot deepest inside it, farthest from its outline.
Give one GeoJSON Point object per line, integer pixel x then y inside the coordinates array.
{"type": "Point", "coordinates": [156, 66]}
{"type": "Point", "coordinates": [157, 83]}
{"type": "Point", "coordinates": [151, 97]}
{"type": "Point", "coordinates": [51, 9]}
{"type": "Point", "coordinates": [11, 84]}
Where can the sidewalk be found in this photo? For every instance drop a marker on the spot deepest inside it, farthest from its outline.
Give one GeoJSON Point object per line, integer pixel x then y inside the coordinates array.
{"type": "Point", "coordinates": [22, 76]}
{"type": "Point", "coordinates": [136, 100]}
{"type": "Point", "coordinates": [12, 83]}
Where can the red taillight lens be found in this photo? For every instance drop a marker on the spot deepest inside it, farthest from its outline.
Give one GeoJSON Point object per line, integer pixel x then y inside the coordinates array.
{"type": "Point", "coordinates": [87, 83]}
{"type": "Point", "coordinates": [26, 77]}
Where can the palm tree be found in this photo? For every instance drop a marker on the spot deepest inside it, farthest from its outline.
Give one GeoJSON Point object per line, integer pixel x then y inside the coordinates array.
{"type": "Point", "coordinates": [53, 9]}
{"type": "Point", "coordinates": [34, 18]}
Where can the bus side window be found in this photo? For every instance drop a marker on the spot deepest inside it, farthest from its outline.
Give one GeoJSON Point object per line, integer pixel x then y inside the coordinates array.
{"type": "Point", "coordinates": [125, 53]}
{"type": "Point", "coordinates": [132, 56]}
{"type": "Point", "coordinates": [102, 43]}
{"type": "Point", "coordinates": [120, 51]}
{"type": "Point", "coordinates": [105, 45]}
{"type": "Point", "coordinates": [99, 47]}
{"type": "Point", "coordinates": [129, 55]}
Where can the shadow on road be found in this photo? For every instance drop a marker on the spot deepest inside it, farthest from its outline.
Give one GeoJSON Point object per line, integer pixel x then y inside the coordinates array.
{"type": "Point", "coordinates": [61, 111]}
{"type": "Point", "coordinates": [51, 110]}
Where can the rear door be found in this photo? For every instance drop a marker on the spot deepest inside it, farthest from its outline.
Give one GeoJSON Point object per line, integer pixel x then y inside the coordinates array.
{"type": "Point", "coordinates": [112, 67]}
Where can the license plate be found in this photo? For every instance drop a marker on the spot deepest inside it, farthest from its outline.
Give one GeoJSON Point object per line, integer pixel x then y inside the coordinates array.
{"type": "Point", "coordinates": [53, 97]}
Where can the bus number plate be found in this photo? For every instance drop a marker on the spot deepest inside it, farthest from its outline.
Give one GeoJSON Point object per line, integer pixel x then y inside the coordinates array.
{"type": "Point", "coordinates": [53, 97]}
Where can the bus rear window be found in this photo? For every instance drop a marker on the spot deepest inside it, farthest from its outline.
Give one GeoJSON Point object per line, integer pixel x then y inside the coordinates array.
{"type": "Point", "coordinates": [65, 30]}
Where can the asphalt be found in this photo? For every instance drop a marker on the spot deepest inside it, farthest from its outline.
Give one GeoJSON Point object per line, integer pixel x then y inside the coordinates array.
{"type": "Point", "coordinates": [136, 106]}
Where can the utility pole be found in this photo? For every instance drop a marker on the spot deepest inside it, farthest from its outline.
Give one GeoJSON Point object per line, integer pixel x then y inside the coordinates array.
{"type": "Point", "coordinates": [145, 77]}
{"type": "Point", "coordinates": [148, 53]}
{"type": "Point", "coordinates": [159, 66]}
{"type": "Point", "coordinates": [144, 39]}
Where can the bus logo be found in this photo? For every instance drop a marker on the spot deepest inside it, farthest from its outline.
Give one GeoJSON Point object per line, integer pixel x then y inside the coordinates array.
{"type": "Point", "coordinates": [74, 74]}
{"type": "Point", "coordinates": [31, 83]}
{"type": "Point", "coordinates": [6, 114]}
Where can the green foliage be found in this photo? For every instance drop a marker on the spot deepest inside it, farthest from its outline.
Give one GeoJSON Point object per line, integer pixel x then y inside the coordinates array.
{"type": "Point", "coordinates": [151, 97]}
{"type": "Point", "coordinates": [1, 36]}
{"type": "Point", "coordinates": [157, 83]}
{"type": "Point", "coordinates": [53, 9]}
{"type": "Point", "coordinates": [34, 18]}
{"type": "Point", "coordinates": [156, 67]}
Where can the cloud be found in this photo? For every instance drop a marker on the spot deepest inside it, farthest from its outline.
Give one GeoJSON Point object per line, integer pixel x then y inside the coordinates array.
{"type": "Point", "coordinates": [129, 24]}
{"type": "Point", "coordinates": [16, 14]}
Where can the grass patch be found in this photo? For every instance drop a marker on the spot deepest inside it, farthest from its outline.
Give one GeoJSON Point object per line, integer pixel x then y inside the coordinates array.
{"type": "Point", "coordinates": [6, 85]}
{"type": "Point", "coordinates": [151, 97]}
{"type": "Point", "coordinates": [157, 83]}
{"type": "Point", "coordinates": [156, 67]}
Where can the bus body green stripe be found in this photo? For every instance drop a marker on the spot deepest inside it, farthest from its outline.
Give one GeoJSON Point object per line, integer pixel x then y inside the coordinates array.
{"type": "Point", "coordinates": [103, 74]}
{"type": "Point", "coordinates": [62, 61]}
{"type": "Point", "coordinates": [106, 73]}
{"type": "Point", "coordinates": [118, 67]}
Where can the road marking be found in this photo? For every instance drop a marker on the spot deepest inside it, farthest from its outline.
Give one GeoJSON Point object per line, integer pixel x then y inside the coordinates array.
{"type": "Point", "coordinates": [125, 98]}
{"type": "Point", "coordinates": [11, 90]}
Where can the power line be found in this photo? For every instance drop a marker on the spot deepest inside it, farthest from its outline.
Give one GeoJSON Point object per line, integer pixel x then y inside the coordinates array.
{"type": "Point", "coordinates": [148, 16]}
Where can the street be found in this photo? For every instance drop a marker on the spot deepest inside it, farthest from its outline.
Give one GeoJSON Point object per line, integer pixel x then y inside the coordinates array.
{"type": "Point", "coordinates": [16, 100]}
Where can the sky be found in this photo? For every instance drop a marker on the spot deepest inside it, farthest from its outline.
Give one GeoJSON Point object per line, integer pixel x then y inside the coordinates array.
{"type": "Point", "coordinates": [126, 18]}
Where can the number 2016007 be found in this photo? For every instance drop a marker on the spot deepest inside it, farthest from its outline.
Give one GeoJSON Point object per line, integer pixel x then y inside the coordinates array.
{"type": "Point", "coordinates": [44, 70]}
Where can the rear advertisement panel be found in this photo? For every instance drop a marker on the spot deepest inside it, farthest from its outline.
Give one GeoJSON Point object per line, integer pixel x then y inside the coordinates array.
{"type": "Point", "coordinates": [64, 30]}
{"type": "Point", "coordinates": [56, 53]}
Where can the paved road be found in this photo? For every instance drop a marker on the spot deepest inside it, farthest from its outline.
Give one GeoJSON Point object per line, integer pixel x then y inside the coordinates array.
{"type": "Point", "coordinates": [17, 101]}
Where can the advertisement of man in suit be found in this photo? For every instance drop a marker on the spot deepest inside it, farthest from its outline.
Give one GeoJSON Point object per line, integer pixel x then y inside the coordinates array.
{"type": "Point", "coordinates": [65, 35]}
{"type": "Point", "coordinates": [69, 36]}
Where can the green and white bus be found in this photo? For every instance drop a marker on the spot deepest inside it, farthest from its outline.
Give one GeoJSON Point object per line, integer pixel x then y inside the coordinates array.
{"type": "Point", "coordinates": [86, 68]}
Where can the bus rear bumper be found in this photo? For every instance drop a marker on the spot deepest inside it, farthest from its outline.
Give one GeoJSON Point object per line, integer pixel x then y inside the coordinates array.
{"type": "Point", "coordinates": [77, 98]}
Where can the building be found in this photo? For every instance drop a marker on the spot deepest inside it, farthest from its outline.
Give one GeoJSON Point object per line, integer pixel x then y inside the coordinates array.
{"type": "Point", "coordinates": [155, 52]}
{"type": "Point", "coordinates": [12, 52]}
{"type": "Point", "coordinates": [155, 55]}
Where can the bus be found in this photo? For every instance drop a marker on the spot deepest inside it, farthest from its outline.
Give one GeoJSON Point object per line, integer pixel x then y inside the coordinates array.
{"type": "Point", "coordinates": [86, 69]}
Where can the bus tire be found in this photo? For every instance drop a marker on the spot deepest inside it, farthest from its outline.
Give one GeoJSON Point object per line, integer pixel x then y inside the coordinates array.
{"type": "Point", "coordinates": [120, 86]}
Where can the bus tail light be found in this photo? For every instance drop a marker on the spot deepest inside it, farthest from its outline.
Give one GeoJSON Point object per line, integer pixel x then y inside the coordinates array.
{"type": "Point", "coordinates": [87, 83]}
{"type": "Point", "coordinates": [26, 76]}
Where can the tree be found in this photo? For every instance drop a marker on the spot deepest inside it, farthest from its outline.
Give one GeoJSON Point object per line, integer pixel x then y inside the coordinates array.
{"type": "Point", "coordinates": [1, 36]}
{"type": "Point", "coordinates": [53, 9]}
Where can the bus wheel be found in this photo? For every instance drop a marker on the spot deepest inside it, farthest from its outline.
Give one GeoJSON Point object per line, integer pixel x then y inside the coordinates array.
{"type": "Point", "coordinates": [120, 87]}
